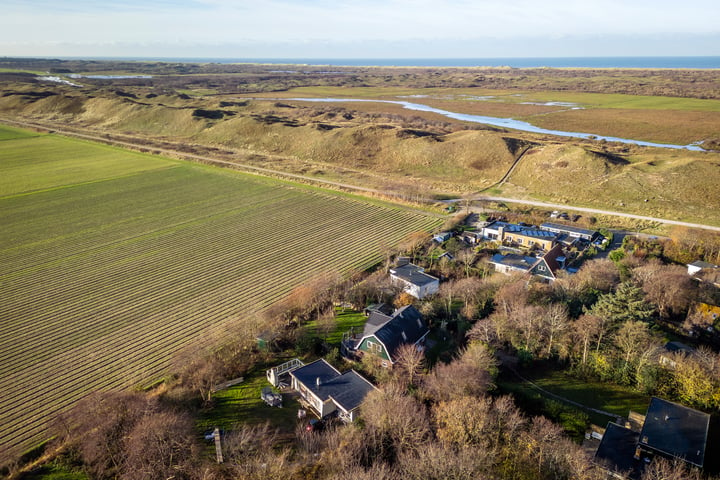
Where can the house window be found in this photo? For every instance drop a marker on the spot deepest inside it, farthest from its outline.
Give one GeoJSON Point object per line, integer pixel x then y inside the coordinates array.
{"type": "Point", "coordinates": [373, 347]}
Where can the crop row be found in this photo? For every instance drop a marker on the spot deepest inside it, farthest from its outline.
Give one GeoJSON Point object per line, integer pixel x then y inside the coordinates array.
{"type": "Point", "coordinates": [63, 388]}
{"type": "Point", "coordinates": [62, 283]}
{"type": "Point", "coordinates": [124, 292]}
{"type": "Point", "coordinates": [103, 283]}
{"type": "Point", "coordinates": [66, 391]}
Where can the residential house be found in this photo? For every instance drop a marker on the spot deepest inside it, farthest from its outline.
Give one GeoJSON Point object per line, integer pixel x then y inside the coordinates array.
{"type": "Point", "coordinates": [674, 431]}
{"type": "Point", "coordinates": [414, 280]}
{"type": "Point", "coordinates": [327, 391]}
{"type": "Point", "coordinates": [545, 267]}
{"type": "Point", "coordinates": [384, 334]}
{"type": "Point", "coordinates": [670, 430]}
{"type": "Point", "coordinates": [570, 231]}
{"type": "Point", "coordinates": [616, 451]}
{"type": "Point", "coordinates": [518, 234]}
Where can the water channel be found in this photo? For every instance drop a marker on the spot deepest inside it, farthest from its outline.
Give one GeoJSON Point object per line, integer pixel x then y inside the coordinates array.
{"type": "Point", "coordinates": [507, 123]}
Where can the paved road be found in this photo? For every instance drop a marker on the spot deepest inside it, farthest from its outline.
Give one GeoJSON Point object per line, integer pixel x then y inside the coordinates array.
{"type": "Point", "coordinates": [277, 173]}
{"type": "Point", "coordinates": [558, 206]}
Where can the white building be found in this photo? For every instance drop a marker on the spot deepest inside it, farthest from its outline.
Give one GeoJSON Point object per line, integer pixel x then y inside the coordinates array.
{"type": "Point", "coordinates": [414, 280]}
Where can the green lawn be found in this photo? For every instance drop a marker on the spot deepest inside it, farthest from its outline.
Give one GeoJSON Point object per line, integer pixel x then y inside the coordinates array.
{"type": "Point", "coordinates": [345, 319]}
{"type": "Point", "coordinates": [54, 471]}
{"type": "Point", "coordinates": [241, 404]}
{"type": "Point", "coordinates": [613, 399]}
{"type": "Point", "coordinates": [10, 133]}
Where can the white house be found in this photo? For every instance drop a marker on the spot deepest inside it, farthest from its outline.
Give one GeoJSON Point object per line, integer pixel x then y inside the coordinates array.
{"type": "Point", "coordinates": [414, 280]}
{"type": "Point", "coordinates": [327, 391]}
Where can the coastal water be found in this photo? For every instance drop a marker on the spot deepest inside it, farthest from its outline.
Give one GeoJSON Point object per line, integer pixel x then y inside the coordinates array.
{"type": "Point", "coordinates": [514, 62]}
{"type": "Point", "coordinates": [506, 123]}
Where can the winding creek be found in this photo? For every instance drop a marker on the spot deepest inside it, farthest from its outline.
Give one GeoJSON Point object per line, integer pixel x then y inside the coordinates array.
{"type": "Point", "coordinates": [507, 123]}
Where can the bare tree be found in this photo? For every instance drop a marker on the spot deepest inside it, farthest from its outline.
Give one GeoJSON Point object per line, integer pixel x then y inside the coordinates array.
{"type": "Point", "coordinates": [326, 323]}
{"type": "Point", "coordinates": [669, 287]}
{"type": "Point", "coordinates": [409, 364]}
{"type": "Point", "coordinates": [439, 463]}
{"type": "Point", "coordinates": [160, 446]}
{"type": "Point", "coordinates": [555, 319]}
{"type": "Point", "coordinates": [394, 422]}
{"type": "Point", "coordinates": [585, 330]}
{"type": "Point", "coordinates": [470, 374]}
{"type": "Point", "coordinates": [663, 469]}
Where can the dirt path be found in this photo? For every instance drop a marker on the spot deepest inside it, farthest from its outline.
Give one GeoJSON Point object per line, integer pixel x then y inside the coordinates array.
{"type": "Point", "coordinates": [558, 206]}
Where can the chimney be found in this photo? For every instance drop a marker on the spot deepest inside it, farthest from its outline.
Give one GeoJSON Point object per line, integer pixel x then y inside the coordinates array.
{"type": "Point", "coordinates": [317, 381]}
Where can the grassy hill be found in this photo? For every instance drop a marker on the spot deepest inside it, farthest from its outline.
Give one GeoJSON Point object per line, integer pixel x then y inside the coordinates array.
{"type": "Point", "coordinates": [676, 185]}
{"type": "Point", "coordinates": [423, 154]}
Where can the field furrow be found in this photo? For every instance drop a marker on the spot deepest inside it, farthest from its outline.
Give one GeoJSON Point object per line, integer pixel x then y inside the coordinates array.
{"type": "Point", "coordinates": [108, 274]}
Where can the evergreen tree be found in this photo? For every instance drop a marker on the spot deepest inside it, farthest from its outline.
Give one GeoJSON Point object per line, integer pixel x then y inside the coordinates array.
{"type": "Point", "coordinates": [626, 303]}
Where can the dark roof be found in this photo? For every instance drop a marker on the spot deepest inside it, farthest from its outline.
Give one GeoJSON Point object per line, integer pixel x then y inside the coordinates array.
{"type": "Point", "coordinates": [678, 347]}
{"type": "Point", "coordinates": [347, 390]}
{"type": "Point", "coordinates": [569, 229]}
{"type": "Point", "coordinates": [702, 264]}
{"type": "Point", "coordinates": [375, 321]}
{"type": "Point", "coordinates": [405, 326]}
{"type": "Point", "coordinates": [514, 260]}
{"type": "Point", "coordinates": [675, 430]}
{"type": "Point", "coordinates": [413, 274]}
{"type": "Point", "coordinates": [379, 307]}
{"type": "Point", "coordinates": [551, 258]}
{"type": "Point", "coordinates": [309, 374]}
{"type": "Point", "coordinates": [617, 448]}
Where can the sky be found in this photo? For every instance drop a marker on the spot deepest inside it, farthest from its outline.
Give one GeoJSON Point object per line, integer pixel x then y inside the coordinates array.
{"type": "Point", "coordinates": [359, 28]}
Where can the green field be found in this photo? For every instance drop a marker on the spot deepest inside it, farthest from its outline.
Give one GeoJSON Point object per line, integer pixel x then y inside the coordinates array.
{"type": "Point", "coordinates": [112, 261]}
{"type": "Point", "coordinates": [470, 96]}
{"type": "Point", "coordinates": [608, 397]}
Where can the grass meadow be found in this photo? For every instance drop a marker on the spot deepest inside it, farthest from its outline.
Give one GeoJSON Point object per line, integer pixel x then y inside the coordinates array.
{"type": "Point", "coordinates": [641, 117]}
{"type": "Point", "coordinates": [112, 261]}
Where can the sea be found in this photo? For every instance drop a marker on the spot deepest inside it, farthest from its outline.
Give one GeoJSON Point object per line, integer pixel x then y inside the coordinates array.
{"type": "Point", "coordinates": [706, 62]}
